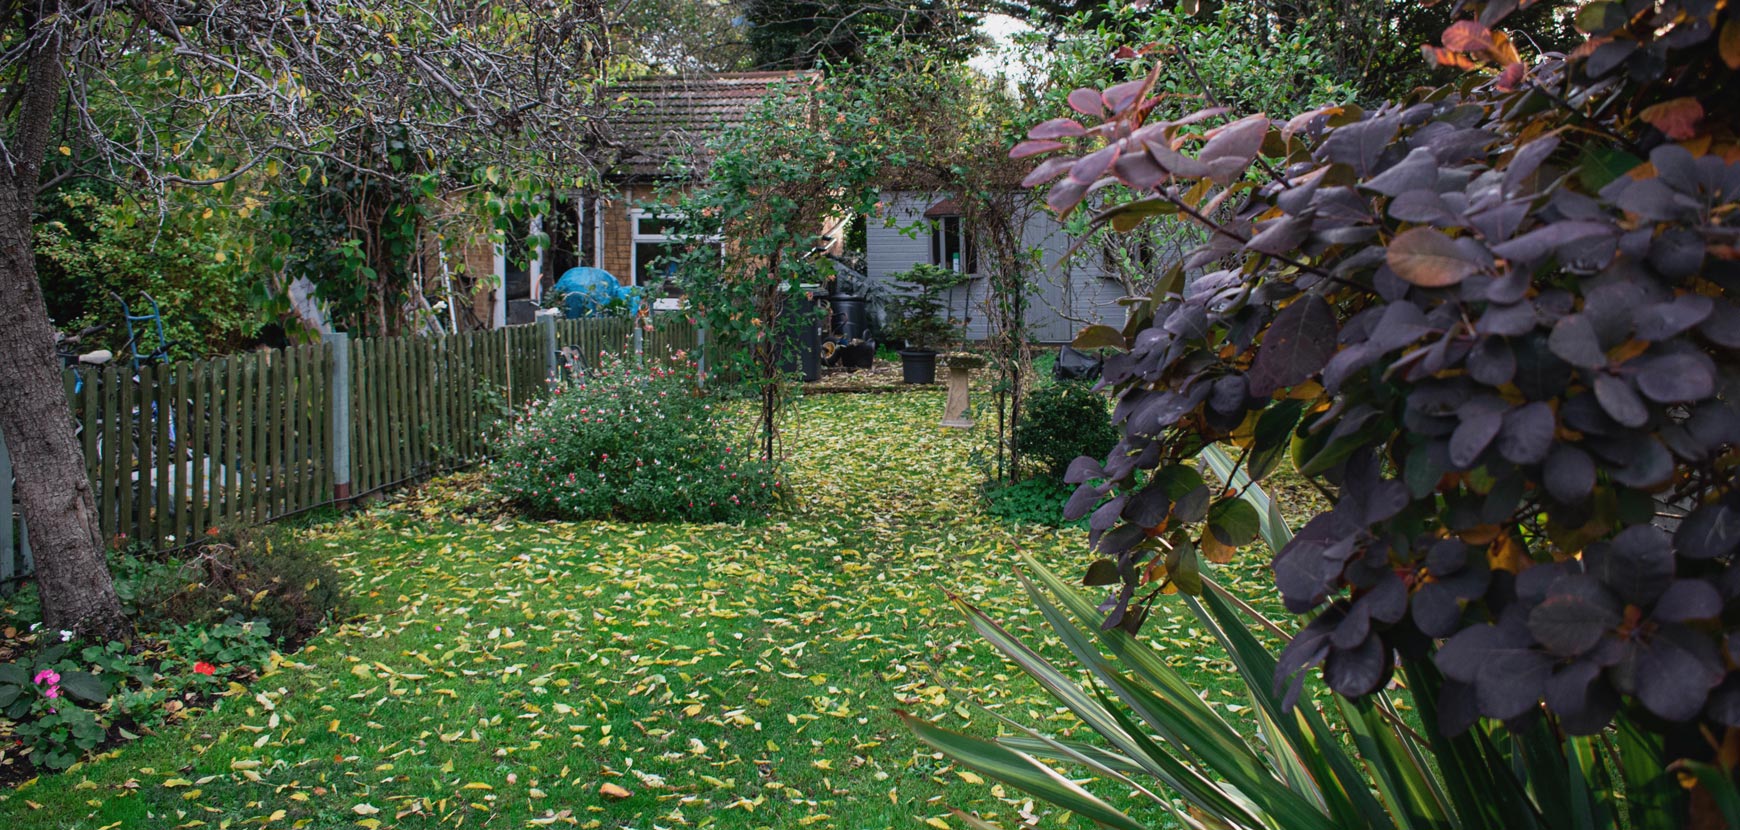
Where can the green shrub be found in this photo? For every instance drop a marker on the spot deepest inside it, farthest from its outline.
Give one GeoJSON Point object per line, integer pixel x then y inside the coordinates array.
{"type": "Point", "coordinates": [1060, 422]}
{"type": "Point", "coordinates": [641, 445]}
{"type": "Point", "coordinates": [1036, 500]}
{"type": "Point", "coordinates": [266, 574]}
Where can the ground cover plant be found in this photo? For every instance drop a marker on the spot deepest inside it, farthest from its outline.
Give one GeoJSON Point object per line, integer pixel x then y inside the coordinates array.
{"type": "Point", "coordinates": [208, 621]}
{"type": "Point", "coordinates": [641, 443]}
{"type": "Point", "coordinates": [1495, 324]}
{"type": "Point", "coordinates": [503, 671]}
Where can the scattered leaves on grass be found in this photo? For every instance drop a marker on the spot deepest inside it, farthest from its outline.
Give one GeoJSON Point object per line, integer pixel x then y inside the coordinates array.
{"type": "Point", "coordinates": [508, 673]}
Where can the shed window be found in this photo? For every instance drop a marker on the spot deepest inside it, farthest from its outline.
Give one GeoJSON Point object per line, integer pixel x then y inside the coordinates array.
{"type": "Point", "coordinates": [952, 246]}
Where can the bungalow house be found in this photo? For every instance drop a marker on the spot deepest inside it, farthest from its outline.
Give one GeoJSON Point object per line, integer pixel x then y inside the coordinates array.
{"type": "Point", "coordinates": [926, 226]}
{"type": "Point", "coordinates": [655, 122]}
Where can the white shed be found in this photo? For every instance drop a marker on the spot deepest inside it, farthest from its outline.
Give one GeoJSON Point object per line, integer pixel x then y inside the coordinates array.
{"type": "Point", "coordinates": [921, 227]}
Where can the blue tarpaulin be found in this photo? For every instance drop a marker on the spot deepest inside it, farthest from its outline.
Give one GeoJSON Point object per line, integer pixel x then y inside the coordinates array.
{"type": "Point", "coordinates": [586, 291]}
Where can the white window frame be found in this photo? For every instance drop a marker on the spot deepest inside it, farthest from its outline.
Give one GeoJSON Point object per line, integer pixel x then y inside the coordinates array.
{"type": "Point", "coordinates": [635, 238]}
{"type": "Point", "coordinates": [963, 237]}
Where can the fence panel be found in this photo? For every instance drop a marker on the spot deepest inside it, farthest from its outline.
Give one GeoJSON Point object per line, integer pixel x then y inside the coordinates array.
{"type": "Point", "coordinates": [174, 450]}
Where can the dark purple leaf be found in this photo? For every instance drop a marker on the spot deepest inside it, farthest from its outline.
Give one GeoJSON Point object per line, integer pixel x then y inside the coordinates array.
{"type": "Point", "coordinates": [1492, 362]}
{"type": "Point", "coordinates": [1082, 469]}
{"type": "Point", "coordinates": [1090, 167]}
{"type": "Point", "coordinates": [1527, 435]}
{"type": "Point", "coordinates": [1034, 148]}
{"type": "Point", "coordinates": [1280, 236]}
{"type": "Point", "coordinates": [1619, 401]}
{"type": "Point", "coordinates": [1176, 162]}
{"type": "Point", "coordinates": [1508, 675]}
{"type": "Point", "coordinates": [1121, 539]}
{"type": "Point", "coordinates": [1649, 465]}
{"type": "Point", "coordinates": [1122, 96]}
{"type": "Point", "coordinates": [1576, 613]}
{"type": "Point", "coordinates": [1609, 55]}
{"type": "Point", "coordinates": [1526, 161]}
{"type": "Point", "coordinates": [1309, 562]}
{"type": "Point", "coordinates": [1637, 564]}
{"type": "Point", "coordinates": [1049, 169]}
{"type": "Point", "coordinates": [1087, 102]}
{"type": "Point", "coordinates": [1436, 610]}
{"type": "Point", "coordinates": [1569, 474]}
{"type": "Point", "coordinates": [1709, 532]}
{"type": "Point", "coordinates": [1106, 515]}
{"type": "Point", "coordinates": [1538, 244]}
{"type": "Point", "coordinates": [1232, 148]}
{"type": "Point", "coordinates": [1574, 341]}
{"type": "Point", "coordinates": [1057, 128]}
{"type": "Point", "coordinates": [1685, 377]}
{"type": "Point", "coordinates": [1677, 253]}
{"type": "Point", "coordinates": [1361, 143]}
{"type": "Point", "coordinates": [1358, 671]}
{"type": "Point", "coordinates": [1298, 344]}
{"type": "Point", "coordinates": [1149, 506]}
{"type": "Point", "coordinates": [1307, 648]}
{"type": "Point", "coordinates": [1508, 320]}
{"type": "Point", "coordinates": [1481, 420]}
{"type": "Point", "coordinates": [1081, 501]}
{"type": "Point", "coordinates": [1688, 599]}
{"type": "Point", "coordinates": [1065, 195]}
{"type": "Point", "coordinates": [1582, 700]}
{"type": "Point", "coordinates": [1423, 207]}
{"type": "Point", "coordinates": [1664, 320]}
{"type": "Point", "coordinates": [1676, 669]}
{"type": "Point", "coordinates": [1138, 171]}
{"type": "Point", "coordinates": [1723, 327]}
{"type": "Point", "coordinates": [1724, 703]}
{"type": "Point", "coordinates": [1417, 172]}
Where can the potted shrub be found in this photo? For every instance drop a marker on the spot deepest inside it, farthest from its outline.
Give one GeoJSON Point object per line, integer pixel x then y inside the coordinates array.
{"type": "Point", "coordinates": [919, 318]}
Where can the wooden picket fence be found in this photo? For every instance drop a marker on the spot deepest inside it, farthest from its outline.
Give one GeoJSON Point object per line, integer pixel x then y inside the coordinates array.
{"type": "Point", "coordinates": [249, 438]}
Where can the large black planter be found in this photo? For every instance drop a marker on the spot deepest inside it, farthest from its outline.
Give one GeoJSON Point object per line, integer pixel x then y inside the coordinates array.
{"type": "Point", "coordinates": [918, 366]}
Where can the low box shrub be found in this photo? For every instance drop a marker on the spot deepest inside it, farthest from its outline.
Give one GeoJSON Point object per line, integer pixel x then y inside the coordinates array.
{"type": "Point", "coordinates": [635, 444]}
{"type": "Point", "coordinates": [1061, 421]}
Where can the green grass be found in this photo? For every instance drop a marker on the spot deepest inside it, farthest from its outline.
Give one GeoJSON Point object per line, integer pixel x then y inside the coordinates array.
{"type": "Point", "coordinates": [730, 677]}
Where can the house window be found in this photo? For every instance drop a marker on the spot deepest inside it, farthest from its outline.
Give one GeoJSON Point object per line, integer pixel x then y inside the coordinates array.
{"type": "Point", "coordinates": [658, 244]}
{"type": "Point", "coordinates": [952, 245]}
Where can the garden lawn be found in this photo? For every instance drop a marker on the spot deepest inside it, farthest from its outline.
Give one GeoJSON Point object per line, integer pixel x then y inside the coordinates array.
{"type": "Point", "coordinates": [504, 672]}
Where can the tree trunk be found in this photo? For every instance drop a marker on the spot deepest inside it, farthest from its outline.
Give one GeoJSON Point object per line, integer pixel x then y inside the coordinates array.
{"type": "Point", "coordinates": [49, 469]}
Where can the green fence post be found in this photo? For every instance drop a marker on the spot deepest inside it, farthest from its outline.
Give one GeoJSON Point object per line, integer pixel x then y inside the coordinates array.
{"type": "Point", "coordinates": [552, 358]}
{"type": "Point", "coordinates": [338, 413]}
{"type": "Point", "coordinates": [701, 352]}
{"type": "Point", "coordinates": [8, 544]}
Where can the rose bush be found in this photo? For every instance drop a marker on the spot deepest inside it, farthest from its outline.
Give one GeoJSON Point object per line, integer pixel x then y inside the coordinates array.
{"type": "Point", "coordinates": [635, 444]}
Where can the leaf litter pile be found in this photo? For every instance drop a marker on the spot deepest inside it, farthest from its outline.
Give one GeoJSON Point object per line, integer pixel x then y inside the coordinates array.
{"type": "Point", "coordinates": [510, 673]}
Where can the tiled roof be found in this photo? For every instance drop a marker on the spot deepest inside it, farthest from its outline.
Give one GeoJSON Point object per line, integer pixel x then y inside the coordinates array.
{"type": "Point", "coordinates": [658, 119]}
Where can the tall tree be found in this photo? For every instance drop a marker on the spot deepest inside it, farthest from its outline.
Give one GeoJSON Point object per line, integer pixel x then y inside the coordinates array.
{"type": "Point", "coordinates": [681, 36]}
{"type": "Point", "coordinates": [806, 33]}
{"type": "Point", "coordinates": [205, 94]}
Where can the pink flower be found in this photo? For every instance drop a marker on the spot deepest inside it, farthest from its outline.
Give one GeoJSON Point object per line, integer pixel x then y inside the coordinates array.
{"type": "Point", "coordinates": [52, 678]}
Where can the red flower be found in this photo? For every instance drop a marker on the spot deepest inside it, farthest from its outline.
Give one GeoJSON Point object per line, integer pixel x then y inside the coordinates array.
{"type": "Point", "coordinates": [202, 667]}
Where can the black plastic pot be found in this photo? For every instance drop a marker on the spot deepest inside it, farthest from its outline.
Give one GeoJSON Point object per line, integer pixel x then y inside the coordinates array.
{"type": "Point", "coordinates": [851, 317]}
{"type": "Point", "coordinates": [918, 366]}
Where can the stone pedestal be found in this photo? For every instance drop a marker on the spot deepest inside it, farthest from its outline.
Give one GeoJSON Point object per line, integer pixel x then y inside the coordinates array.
{"type": "Point", "coordinates": [955, 413]}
